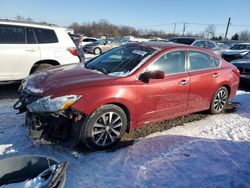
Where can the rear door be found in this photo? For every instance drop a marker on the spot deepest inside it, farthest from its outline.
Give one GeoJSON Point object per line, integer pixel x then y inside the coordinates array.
{"type": "Point", "coordinates": [204, 80]}
{"type": "Point", "coordinates": [166, 98]}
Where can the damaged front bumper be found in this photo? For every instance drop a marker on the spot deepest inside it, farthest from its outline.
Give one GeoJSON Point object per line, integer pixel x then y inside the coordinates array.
{"type": "Point", "coordinates": [48, 126]}
{"type": "Point", "coordinates": [48, 117]}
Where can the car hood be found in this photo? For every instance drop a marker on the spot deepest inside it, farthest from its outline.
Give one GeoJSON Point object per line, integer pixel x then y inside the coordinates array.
{"type": "Point", "coordinates": [63, 79]}
{"type": "Point", "coordinates": [241, 62]}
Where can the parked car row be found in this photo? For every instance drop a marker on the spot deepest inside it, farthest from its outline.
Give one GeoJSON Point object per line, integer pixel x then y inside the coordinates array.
{"type": "Point", "coordinates": [237, 53]}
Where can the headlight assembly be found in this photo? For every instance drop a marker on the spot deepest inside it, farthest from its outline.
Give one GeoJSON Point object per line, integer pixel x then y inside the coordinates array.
{"type": "Point", "coordinates": [48, 105]}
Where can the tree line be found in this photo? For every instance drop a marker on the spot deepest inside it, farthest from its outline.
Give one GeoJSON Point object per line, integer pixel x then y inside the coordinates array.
{"type": "Point", "coordinates": [104, 27]}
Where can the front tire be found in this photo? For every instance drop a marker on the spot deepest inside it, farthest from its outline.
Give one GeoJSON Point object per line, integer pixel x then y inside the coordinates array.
{"type": "Point", "coordinates": [219, 101]}
{"type": "Point", "coordinates": [104, 127]}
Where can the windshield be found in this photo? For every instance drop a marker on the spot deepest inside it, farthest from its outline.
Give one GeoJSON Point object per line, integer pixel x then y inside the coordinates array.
{"type": "Point", "coordinates": [120, 61]}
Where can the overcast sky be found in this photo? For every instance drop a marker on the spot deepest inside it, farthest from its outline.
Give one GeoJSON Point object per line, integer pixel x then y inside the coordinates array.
{"type": "Point", "coordinates": [150, 14]}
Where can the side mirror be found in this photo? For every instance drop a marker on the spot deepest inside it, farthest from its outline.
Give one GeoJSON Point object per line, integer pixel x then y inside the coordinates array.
{"type": "Point", "coordinates": [154, 74]}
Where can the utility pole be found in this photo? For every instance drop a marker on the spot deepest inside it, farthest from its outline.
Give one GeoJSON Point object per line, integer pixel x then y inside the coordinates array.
{"type": "Point", "coordinates": [174, 28]}
{"type": "Point", "coordinates": [228, 23]}
{"type": "Point", "coordinates": [184, 28]}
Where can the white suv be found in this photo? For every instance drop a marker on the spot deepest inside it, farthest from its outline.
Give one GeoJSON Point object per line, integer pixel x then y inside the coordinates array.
{"type": "Point", "coordinates": [29, 47]}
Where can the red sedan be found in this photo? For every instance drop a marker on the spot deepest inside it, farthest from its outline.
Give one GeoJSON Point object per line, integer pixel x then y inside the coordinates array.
{"type": "Point", "coordinates": [125, 88]}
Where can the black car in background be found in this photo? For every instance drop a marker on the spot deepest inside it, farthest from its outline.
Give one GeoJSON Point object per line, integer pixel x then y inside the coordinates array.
{"type": "Point", "coordinates": [243, 64]}
{"type": "Point", "coordinates": [183, 40]}
{"type": "Point", "coordinates": [237, 51]}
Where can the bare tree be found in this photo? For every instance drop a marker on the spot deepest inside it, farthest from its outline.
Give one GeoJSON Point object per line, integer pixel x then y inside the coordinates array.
{"type": "Point", "coordinates": [210, 31]}
{"type": "Point", "coordinates": [244, 35]}
{"type": "Point", "coordinates": [21, 18]}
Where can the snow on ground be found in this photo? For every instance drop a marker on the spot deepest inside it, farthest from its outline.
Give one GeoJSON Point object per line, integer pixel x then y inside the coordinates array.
{"type": "Point", "coordinates": [213, 152]}
{"type": "Point", "coordinates": [89, 56]}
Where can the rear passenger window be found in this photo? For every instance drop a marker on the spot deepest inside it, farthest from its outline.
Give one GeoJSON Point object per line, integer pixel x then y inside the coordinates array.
{"type": "Point", "coordinates": [198, 44]}
{"type": "Point", "coordinates": [30, 36]}
{"type": "Point", "coordinates": [199, 61]}
{"type": "Point", "coordinates": [216, 62]}
{"type": "Point", "coordinates": [170, 63]}
{"type": "Point", "coordinates": [46, 36]}
{"type": "Point", "coordinates": [12, 35]}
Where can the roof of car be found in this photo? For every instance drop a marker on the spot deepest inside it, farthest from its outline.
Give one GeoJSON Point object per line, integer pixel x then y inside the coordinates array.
{"type": "Point", "coordinates": [164, 46]}
{"type": "Point", "coordinates": [25, 23]}
{"type": "Point", "coordinates": [161, 45]}
{"type": "Point", "coordinates": [185, 38]}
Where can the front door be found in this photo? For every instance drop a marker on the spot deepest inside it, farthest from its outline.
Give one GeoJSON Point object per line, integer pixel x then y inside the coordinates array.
{"type": "Point", "coordinates": [166, 98]}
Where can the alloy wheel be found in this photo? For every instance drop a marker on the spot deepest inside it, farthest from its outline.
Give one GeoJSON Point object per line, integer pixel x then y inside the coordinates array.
{"type": "Point", "coordinates": [106, 129]}
{"type": "Point", "coordinates": [220, 100]}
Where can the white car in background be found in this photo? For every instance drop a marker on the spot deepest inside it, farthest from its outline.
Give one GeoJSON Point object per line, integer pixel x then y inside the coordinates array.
{"type": "Point", "coordinates": [29, 47]}
{"type": "Point", "coordinates": [197, 42]}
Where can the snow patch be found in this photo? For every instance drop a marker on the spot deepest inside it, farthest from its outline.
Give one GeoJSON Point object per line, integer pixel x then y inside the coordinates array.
{"type": "Point", "coordinates": [213, 152]}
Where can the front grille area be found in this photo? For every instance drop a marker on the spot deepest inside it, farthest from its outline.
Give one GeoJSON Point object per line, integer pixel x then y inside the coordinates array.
{"type": "Point", "coordinates": [240, 69]}
{"type": "Point", "coordinates": [229, 58]}
{"type": "Point", "coordinates": [247, 70]}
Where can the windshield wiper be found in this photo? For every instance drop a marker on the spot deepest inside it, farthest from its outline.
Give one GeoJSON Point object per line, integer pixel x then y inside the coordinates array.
{"type": "Point", "coordinates": [98, 69]}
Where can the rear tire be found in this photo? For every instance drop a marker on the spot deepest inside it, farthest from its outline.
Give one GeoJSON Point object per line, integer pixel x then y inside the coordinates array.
{"type": "Point", "coordinates": [219, 101]}
{"type": "Point", "coordinates": [97, 51]}
{"type": "Point", "coordinates": [40, 67]}
{"type": "Point", "coordinates": [104, 127]}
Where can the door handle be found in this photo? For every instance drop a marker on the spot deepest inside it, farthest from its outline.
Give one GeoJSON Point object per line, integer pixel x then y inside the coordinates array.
{"type": "Point", "coordinates": [183, 82]}
{"type": "Point", "coordinates": [216, 75]}
{"type": "Point", "coordinates": [30, 50]}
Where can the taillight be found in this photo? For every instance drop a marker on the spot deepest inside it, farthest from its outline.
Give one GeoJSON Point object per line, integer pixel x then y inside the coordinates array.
{"type": "Point", "coordinates": [73, 51]}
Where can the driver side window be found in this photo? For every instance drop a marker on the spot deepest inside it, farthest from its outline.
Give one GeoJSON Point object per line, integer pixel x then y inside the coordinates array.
{"type": "Point", "coordinates": [170, 63]}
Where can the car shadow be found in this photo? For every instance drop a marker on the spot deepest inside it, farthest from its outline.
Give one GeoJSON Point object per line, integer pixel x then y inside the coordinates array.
{"type": "Point", "coordinates": [9, 91]}
{"type": "Point", "coordinates": [165, 161]}
{"type": "Point", "coordinates": [82, 149]}
{"type": "Point", "coordinates": [244, 86]}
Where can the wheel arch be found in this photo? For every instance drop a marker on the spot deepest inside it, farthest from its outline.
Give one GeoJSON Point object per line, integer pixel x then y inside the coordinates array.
{"type": "Point", "coordinates": [126, 110]}
{"type": "Point", "coordinates": [228, 88]}
{"type": "Point", "coordinates": [89, 108]}
{"type": "Point", "coordinates": [47, 61]}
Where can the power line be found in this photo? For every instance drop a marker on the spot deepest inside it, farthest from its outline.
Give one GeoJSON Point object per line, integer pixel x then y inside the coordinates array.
{"type": "Point", "coordinates": [195, 23]}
